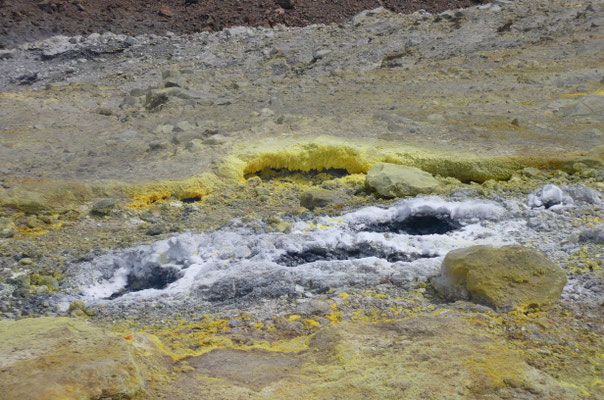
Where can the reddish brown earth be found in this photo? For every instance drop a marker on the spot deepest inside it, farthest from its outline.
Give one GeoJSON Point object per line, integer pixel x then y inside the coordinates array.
{"type": "Point", "coordinates": [23, 20]}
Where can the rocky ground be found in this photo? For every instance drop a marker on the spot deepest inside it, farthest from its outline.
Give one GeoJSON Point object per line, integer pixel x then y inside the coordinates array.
{"type": "Point", "coordinates": [267, 212]}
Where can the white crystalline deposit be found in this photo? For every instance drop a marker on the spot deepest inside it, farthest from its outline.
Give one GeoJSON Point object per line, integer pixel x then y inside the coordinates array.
{"type": "Point", "coordinates": [549, 196]}
{"type": "Point", "coordinates": [470, 210]}
{"type": "Point", "coordinates": [357, 249]}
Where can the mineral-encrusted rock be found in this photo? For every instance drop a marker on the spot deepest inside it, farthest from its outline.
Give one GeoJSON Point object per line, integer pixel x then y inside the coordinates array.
{"type": "Point", "coordinates": [503, 278]}
{"type": "Point", "coordinates": [401, 359]}
{"type": "Point", "coordinates": [549, 196]}
{"type": "Point", "coordinates": [7, 228]}
{"type": "Point", "coordinates": [63, 358]}
{"type": "Point", "coordinates": [318, 198]}
{"type": "Point", "coordinates": [103, 207]}
{"type": "Point", "coordinates": [392, 180]}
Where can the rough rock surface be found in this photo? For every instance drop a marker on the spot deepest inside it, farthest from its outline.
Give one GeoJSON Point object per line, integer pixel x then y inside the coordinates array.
{"type": "Point", "coordinates": [503, 278]}
{"type": "Point", "coordinates": [62, 358]}
{"type": "Point", "coordinates": [443, 357]}
{"type": "Point", "coordinates": [594, 234]}
{"type": "Point", "coordinates": [319, 198]}
{"type": "Point", "coordinates": [392, 180]}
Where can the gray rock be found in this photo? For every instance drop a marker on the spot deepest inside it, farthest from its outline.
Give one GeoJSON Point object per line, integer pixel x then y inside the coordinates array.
{"type": "Point", "coordinates": [594, 234]}
{"type": "Point", "coordinates": [28, 78]}
{"type": "Point", "coordinates": [597, 22]}
{"type": "Point", "coordinates": [57, 46]}
{"type": "Point", "coordinates": [183, 126]}
{"type": "Point", "coordinates": [313, 307]}
{"type": "Point", "coordinates": [319, 198]}
{"type": "Point", "coordinates": [582, 193]}
{"type": "Point", "coordinates": [163, 129]}
{"type": "Point", "coordinates": [106, 111]}
{"type": "Point", "coordinates": [174, 82]}
{"type": "Point", "coordinates": [363, 16]}
{"type": "Point", "coordinates": [215, 140]}
{"type": "Point", "coordinates": [321, 53]}
{"type": "Point", "coordinates": [103, 207]}
{"type": "Point", "coordinates": [549, 196]}
{"type": "Point", "coordinates": [156, 229]}
{"type": "Point", "coordinates": [156, 98]}
{"type": "Point", "coordinates": [395, 59]}
{"type": "Point", "coordinates": [236, 323]}
{"type": "Point", "coordinates": [170, 74]}
{"type": "Point", "coordinates": [130, 41]}
{"type": "Point", "coordinates": [591, 105]}
{"type": "Point", "coordinates": [128, 101]}
{"type": "Point", "coordinates": [293, 327]}
{"type": "Point", "coordinates": [156, 145]}
{"type": "Point", "coordinates": [267, 112]}
{"type": "Point", "coordinates": [137, 92]}
{"type": "Point", "coordinates": [223, 101]}
{"type": "Point", "coordinates": [194, 145]}
{"type": "Point", "coordinates": [5, 55]}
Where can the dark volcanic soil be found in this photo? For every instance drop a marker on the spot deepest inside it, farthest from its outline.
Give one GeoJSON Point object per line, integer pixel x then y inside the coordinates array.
{"type": "Point", "coordinates": [23, 20]}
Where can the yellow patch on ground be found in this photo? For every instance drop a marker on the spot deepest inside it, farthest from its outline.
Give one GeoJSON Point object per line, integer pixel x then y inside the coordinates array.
{"type": "Point", "coordinates": [598, 92]}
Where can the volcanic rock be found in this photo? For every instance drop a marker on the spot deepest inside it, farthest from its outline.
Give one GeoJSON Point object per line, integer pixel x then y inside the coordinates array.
{"type": "Point", "coordinates": [60, 358]}
{"type": "Point", "coordinates": [503, 278]}
{"type": "Point", "coordinates": [392, 180]}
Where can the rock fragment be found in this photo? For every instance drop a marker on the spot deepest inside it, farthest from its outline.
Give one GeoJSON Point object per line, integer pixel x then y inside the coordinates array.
{"type": "Point", "coordinates": [165, 12]}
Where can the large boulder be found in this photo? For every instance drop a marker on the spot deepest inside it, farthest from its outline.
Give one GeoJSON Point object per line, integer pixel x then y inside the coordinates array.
{"type": "Point", "coordinates": [393, 180]}
{"type": "Point", "coordinates": [63, 358]}
{"type": "Point", "coordinates": [503, 278]}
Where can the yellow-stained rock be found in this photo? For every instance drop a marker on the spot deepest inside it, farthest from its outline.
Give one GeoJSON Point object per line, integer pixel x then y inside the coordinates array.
{"type": "Point", "coordinates": [503, 278]}
{"type": "Point", "coordinates": [392, 180]}
{"type": "Point", "coordinates": [62, 358]}
{"type": "Point", "coordinates": [444, 356]}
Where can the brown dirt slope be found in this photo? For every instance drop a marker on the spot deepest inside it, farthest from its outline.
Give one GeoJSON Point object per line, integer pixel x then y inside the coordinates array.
{"type": "Point", "coordinates": [35, 19]}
